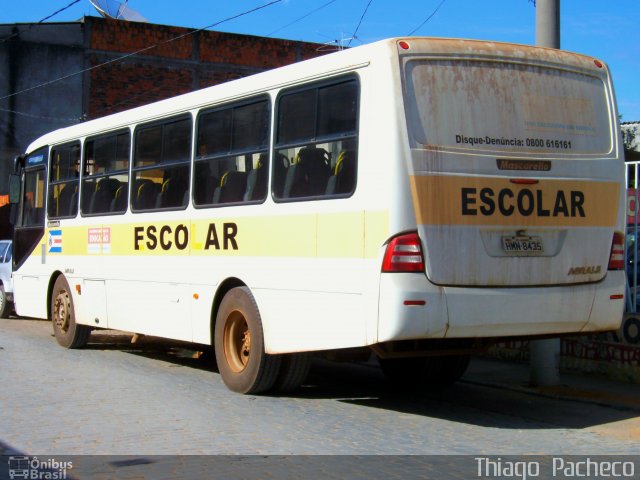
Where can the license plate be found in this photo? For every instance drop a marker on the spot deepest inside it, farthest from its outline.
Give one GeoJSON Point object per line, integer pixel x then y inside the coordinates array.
{"type": "Point", "coordinates": [523, 245]}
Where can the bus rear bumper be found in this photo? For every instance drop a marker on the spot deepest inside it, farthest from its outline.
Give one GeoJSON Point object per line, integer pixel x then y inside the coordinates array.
{"type": "Point", "coordinates": [413, 308]}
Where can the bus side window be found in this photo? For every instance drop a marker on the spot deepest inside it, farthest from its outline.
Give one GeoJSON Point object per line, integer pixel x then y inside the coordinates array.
{"type": "Point", "coordinates": [105, 173]}
{"type": "Point", "coordinates": [63, 181]}
{"type": "Point", "coordinates": [161, 165]}
{"type": "Point", "coordinates": [232, 163]}
{"type": "Point", "coordinates": [318, 133]}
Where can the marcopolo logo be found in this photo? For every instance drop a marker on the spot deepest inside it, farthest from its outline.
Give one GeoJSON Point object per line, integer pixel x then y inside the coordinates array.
{"type": "Point", "coordinates": [33, 468]}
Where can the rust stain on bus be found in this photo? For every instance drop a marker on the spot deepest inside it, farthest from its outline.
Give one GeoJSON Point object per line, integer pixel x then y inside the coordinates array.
{"type": "Point", "coordinates": [458, 48]}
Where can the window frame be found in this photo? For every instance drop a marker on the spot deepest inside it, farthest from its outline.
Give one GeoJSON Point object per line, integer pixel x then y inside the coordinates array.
{"type": "Point", "coordinates": [66, 181]}
{"type": "Point", "coordinates": [316, 140]}
{"type": "Point", "coordinates": [106, 174]}
{"type": "Point", "coordinates": [133, 169]}
{"type": "Point", "coordinates": [263, 97]}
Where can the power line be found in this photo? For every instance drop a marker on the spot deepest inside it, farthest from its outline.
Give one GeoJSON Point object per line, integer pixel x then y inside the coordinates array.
{"type": "Point", "coordinates": [359, 23]}
{"type": "Point", "coordinates": [302, 17]}
{"type": "Point", "coordinates": [41, 21]}
{"type": "Point", "coordinates": [142, 50]}
{"type": "Point", "coordinates": [428, 18]}
{"type": "Point", "coordinates": [59, 11]}
{"type": "Point", "coordinates": [41, 117]}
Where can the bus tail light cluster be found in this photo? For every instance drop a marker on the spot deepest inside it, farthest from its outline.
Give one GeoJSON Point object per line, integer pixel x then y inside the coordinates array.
{"type": "Point", "coordinates": [403, 254]}
{"type": "Point", "coordinates": [616, 260]}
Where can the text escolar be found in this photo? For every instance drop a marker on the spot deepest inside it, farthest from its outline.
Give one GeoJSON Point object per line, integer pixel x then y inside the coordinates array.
{"type": "Point", "coordinates": [525, 202]}
{"type": "Point", "coordinates": [167, 237]}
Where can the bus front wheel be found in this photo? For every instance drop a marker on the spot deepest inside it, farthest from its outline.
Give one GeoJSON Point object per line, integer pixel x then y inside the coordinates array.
{"type": "Point", "coordinates": [239, 345]}
{"type": "Point", "coordinates": [68, 333]}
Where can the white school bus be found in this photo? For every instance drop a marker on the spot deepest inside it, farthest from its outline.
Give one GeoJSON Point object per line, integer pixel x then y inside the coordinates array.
{"type": "Point", "coordinates": [418, 198]}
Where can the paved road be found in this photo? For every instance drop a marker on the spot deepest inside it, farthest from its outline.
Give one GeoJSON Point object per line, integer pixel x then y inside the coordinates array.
{"type": "Point", "coordinates": [153, 399]}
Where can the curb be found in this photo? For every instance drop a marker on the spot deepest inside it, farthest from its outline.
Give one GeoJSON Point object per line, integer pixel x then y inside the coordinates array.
{"type": "Point", "coordinates": [563, 392]}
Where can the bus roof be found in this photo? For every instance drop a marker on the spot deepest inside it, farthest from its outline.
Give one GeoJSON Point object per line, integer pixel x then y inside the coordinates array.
{"type": "Point", "coordinates": [319, 67]}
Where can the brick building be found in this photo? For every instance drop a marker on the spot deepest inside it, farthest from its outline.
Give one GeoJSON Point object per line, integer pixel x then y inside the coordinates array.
{"type": "Point", "coordinates": [182, 61]}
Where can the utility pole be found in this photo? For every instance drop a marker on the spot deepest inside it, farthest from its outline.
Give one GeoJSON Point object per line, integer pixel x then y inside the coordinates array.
{"type": "Point", "coordinates": [545, 354]}
{"type": "Point", "coordinates": [548, 23]}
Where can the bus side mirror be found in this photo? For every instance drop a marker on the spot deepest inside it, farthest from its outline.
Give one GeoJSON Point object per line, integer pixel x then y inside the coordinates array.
{"type": "Point", "coordinates": [18, 163]}
{"type": "Point", "coordinates": [14, 188]}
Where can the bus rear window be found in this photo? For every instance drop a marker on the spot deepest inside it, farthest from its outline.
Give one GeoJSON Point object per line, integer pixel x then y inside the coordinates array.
{"type": "Point", "coordinates": [499, 106]}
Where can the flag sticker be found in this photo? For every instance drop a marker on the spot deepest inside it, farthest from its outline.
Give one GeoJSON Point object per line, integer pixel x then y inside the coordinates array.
{"type": "Point", "coordinates": [55, 241]}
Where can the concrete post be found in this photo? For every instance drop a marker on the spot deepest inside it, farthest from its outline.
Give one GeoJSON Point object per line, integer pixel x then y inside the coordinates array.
{"type": "Point", "coordinates": [545, 354]}
{"type": "Point", "coordinates": [548, 23]}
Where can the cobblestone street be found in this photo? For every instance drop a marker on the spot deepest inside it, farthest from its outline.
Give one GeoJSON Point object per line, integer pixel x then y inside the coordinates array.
{"type": "Point", "coordinates": [116, 398]}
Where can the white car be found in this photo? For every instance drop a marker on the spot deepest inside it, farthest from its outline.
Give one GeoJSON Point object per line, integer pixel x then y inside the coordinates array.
{"type": "Point", "coordinates": [6, 281]}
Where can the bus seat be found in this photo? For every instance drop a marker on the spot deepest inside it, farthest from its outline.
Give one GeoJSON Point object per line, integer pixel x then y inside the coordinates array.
{"type": "Point", "coordinates": [119, 202]}
{"type": "Point", "coordinates": [344, 177]}
{"type": "Point", "coordinates": [172, 193]}
{"type": "Point", "coordinates": [232, 187]}
{"type": "Point", "coordinates": [218, 190]}
{"type": "Point", "coordinates": [67, 198]}
{"type": "Point", "coordinates": [309, 175]}
{"type": "Point", "coordinates": [280, 167]}
{"type": "Point", "coordinates": [257, 181]}
{"type": "Point", "coordinates": [73, 202]}
{"type": "Point", "coordinates": [146, 195]}
{"type": "Point", "coordinates": [103, 195]}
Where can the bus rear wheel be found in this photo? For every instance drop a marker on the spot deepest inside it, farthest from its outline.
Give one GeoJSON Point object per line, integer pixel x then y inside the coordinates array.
{"type": "Point", "coordinates": [239, 345]}
{"type": "Point", "coordinates": [293, 371]}
{"type": "Point", "coordinates": [68, 333]}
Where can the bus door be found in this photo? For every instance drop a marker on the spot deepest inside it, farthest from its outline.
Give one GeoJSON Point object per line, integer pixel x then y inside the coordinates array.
{"type": "Point", "coordinates": [28, 234]}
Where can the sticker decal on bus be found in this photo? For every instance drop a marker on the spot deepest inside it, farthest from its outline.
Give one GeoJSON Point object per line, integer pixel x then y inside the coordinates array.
{"type": "Point", "coordinates": [99, 240]}
{"type": "Point", "coordinates": [55, 241]}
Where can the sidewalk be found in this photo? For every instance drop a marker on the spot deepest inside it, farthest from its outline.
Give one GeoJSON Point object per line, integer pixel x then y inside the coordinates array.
{"type": "Point", "coordinates": [573, 386]}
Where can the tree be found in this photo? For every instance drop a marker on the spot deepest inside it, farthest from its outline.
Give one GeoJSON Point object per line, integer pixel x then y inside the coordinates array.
{"type": "Point", "coordinates": [628, 136]}
{"type": "Point", "coordinates": [629, 133]}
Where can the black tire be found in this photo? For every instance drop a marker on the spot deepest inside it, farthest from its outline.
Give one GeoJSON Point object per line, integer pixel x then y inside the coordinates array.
{"type": "Point", "coordinates": [293, 371]}
{"type": "Point", "coordinates": [63, 318]}
{"type": "Point", "coordinates": [423, 372]}
{"type": "Point", "coordinates": [239, 345]}
{"type": "Point", "coordinates": [631, 330]}
{"type": "Point", "coordinates": [452, 369]}
{"type": "Point", "coordinates": [4, 304]}
{"type": "Point", "coordinates": [406, 373]}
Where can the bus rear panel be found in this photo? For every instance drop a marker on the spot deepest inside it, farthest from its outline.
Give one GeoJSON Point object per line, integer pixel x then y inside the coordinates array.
{"type": "Point", "coordinates": [516, 186]}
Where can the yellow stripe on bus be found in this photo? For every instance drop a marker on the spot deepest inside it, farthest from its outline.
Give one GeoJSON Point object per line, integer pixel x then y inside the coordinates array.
{"type": "Point", "coordinates": [335, 235]}
{"type": "Point", "coordinates": [458, 200]}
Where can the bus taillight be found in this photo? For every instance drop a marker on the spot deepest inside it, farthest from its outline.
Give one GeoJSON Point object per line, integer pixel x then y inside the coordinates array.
{"type": "Point", "coordinates": [403, 254]}
{"type": "Point", "coordinates": [616, 260]}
